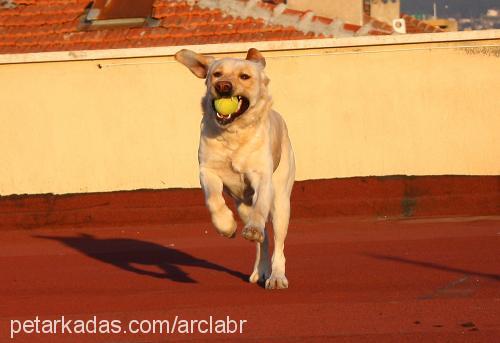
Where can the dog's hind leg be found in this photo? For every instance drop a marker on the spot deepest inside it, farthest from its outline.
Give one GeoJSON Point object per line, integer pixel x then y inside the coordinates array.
{"type": "Point", "coordinates": [283, 179]}
{"type": "Point", "coordinates": [281, 217]}
{"type": "Point", "coordinates": [261, 269]}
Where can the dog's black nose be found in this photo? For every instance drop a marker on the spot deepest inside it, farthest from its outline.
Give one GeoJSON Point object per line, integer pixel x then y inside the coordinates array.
{"type": "Point", "coordinates": [224, 87]}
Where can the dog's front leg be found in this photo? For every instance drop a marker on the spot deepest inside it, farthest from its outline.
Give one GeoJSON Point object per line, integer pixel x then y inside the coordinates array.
{"type": "Point", "coordinates": [261, 204]}
{"type": "Point", "coordinates": [222, 217]}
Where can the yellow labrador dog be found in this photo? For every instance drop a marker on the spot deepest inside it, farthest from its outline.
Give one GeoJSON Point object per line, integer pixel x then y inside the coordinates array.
{"type": "Point", "coordinates": [247, 154]}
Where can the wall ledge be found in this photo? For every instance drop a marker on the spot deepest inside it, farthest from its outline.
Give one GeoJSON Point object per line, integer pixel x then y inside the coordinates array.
{"type": "Point", "coordinates": [82, 55]}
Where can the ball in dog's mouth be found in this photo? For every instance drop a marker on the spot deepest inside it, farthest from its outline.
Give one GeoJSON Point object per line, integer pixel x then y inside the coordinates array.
{"type": "Point", "coordinates": [227, 109]}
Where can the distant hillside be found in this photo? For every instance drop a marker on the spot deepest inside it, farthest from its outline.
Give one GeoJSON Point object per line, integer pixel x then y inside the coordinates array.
{"type": "Point", "coordinates": [456, 8]}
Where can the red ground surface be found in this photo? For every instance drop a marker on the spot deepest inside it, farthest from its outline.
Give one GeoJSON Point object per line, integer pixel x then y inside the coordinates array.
{"type": "Point", "coordinates": [351, 279]}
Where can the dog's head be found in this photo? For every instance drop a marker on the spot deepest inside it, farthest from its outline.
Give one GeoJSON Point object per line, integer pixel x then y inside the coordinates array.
{"type": "Point", "coordinates": [242, 80]}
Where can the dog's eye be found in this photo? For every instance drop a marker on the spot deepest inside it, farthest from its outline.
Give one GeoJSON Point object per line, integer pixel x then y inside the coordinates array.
{"type": "Point", "coordinates": [217, 74]}
{"type": "Point", "coordinates": [244, 76]}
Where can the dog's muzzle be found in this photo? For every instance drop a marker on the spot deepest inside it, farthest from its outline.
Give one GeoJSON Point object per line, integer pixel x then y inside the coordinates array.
{"type": "Point", "coordinates": [224, 88]}
{"type": "Point", "coordinates": [243, 105]}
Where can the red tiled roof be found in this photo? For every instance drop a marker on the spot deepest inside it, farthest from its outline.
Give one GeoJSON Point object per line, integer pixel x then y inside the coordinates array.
{"type": "Point", "coordinates": [377, 24]}
{"type": "Point", "coordinates": [413, 25]}
{"type": "Point", "coordinates": [55, 25]}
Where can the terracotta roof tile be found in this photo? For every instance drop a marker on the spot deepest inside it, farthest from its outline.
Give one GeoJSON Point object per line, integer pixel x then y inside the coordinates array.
{"type": "Point", "coordinates": [51, 25]}
{"type": "Point", "coordinates": [351, 27]}
{"type": "Point", "coordinates": [378, 26]}
{"type": "Point", "coordinates": [413, 25]}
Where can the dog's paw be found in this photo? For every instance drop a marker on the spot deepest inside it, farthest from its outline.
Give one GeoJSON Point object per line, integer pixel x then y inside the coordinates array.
{"type": "Point", "coordinates": [259, 275]}
{"type": "Point", "coordinates": [253, 234]}
{"type": "Point", "coordinates": [277, 282]}
{"type": "Point", "coordinates": [224, 223]}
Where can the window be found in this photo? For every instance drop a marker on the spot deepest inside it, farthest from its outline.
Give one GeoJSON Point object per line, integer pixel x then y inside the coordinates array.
{"type": "Point", "coordinates": [131, 13]}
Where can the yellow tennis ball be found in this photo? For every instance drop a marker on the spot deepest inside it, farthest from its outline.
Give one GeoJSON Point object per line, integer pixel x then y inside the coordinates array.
{"type": "Point", "coordinates": [226, 106]}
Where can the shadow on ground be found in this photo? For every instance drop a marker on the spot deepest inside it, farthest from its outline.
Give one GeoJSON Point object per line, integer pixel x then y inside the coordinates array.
{"type": "Point", "coordinates": [130, 254]}
{"type": "Point", "coordinates": [495, 277]}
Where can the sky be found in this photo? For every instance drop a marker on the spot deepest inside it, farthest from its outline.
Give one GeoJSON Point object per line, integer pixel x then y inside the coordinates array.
{"type": "Point", "coordinates": [449, 8]}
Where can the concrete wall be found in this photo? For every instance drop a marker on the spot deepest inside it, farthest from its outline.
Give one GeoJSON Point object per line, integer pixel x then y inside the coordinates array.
{"type": "Point", "coordinates": [119, 124]}
{"type": "Point", "coordinates": [385, 10]}
{"type": "Point", "coordinates": [349, 11]}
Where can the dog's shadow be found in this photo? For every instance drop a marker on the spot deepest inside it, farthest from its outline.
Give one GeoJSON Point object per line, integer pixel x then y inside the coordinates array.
{"type": "Point", "coordinates": [130, 254]}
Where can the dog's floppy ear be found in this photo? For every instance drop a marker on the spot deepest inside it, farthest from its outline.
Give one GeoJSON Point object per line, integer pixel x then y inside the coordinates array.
{"type": "Point", "coordinates": [255, 56]}
{"type": "Point", "coordinates": [198, 64]}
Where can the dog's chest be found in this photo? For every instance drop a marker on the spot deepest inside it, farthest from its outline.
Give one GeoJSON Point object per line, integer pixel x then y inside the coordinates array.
{"type": "Point", "coordinates": [229, 163]}
{"type": "Point", "coordinates": [236, 185]}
